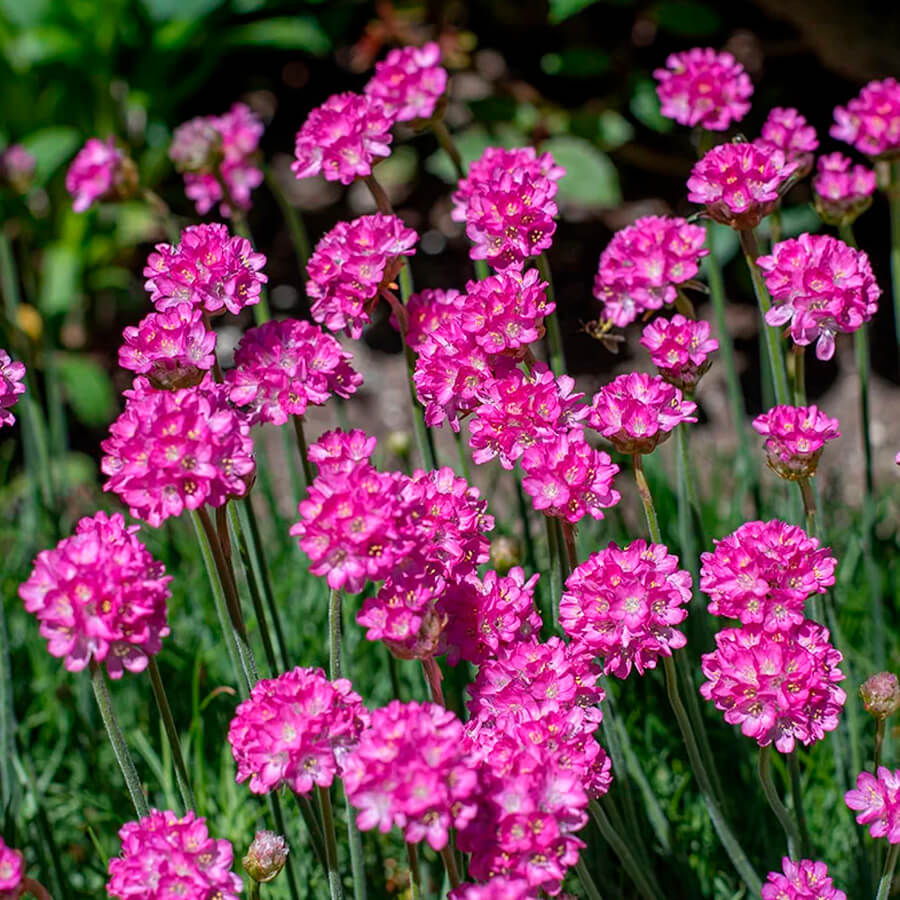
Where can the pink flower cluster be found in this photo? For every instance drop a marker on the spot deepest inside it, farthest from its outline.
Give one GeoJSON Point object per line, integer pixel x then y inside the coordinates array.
{"type": "Point", "coordinates": [100, 171]}
{"type": "Point", "coordinates": [100, 597]}
{"type": "Point", "coordinates": [788, 131]}
{"type": "Point", "coordinates": [409, 82]}
{"type": "Point", "coordinates": [12, 386]}
{"type": "Point", "coordinates": [12, 871]}
{"type": "Point", "coordinates": [497, 888]}
{"type": "Point", "coordinates": [780, 687]}
{"type": "Point", "coordinates": [680, 349]}
{"type": "Point", "coordinates": [842, 191]}
{"type": "Point", "coordinates": [871, 121]}
{"type": "Point", "coordinates": [876, 799]}
{"type": "Point", "coordinates": [432, 312]}
{"type": "Point", "coordinates": [795, 438]}
{"type": "Point", "coordinates": [164, 856]}
{"type": "Point", "coordinates": [295, 730]}
{"type": "Point", "coordinates": [804, 879]}
{"type": "Point", "coordinates": [822, 287]}
{"type": "Point", "coordinates": [763, 574]}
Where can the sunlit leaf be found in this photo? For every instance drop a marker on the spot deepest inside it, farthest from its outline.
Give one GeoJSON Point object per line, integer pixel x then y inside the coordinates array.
{"type": "Point", "coordinates": [51, 147]}
{"type": "Point", "coordinates": [88, 387]}
{"type": "Point", "coordinates": [288, 33]}
{"type": "Point", "coordinates": [591, 178]}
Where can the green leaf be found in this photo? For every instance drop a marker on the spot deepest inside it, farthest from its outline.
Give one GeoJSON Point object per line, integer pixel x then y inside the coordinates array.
{"type": "Point", "coordinates": [51, 147]}
{"type": "Point", "coordinates": [687, 18]}
{"type": "Point", "coordinates": [613, 129]}
{"type": "Point", "coordinates": [591, 178]}
{"type": "Point", "coordinates": [579, 62]}
{"type": "Point", "coordinates": [166, 10]}
{"type": "Point", "coordinates": [645, 108]}
{"type": "Point", "coordinates": [288, 33]}
{"type": "Point", "coordinates": [560, 10]}
{"type": "Point", "coordinates": [61, 270]}
{"type": "Point", "coordinates": [43, 44]}
{"type": "Point", "coordinates": [88, 387]}
{"type": "Point", "coordinates": [24, 14]}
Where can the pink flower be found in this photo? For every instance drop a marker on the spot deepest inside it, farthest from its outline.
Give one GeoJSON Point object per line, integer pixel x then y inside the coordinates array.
{"type": "Point", "coordinates": [644, 263]}
{"type": "Point", "coordinates": [637, 411]}
{"type": "Point", "coordinates": [429, 312]}
{"type": "Point", "coordinates": [779, 687]}
{"type": "Point", "coordinates": [12, 871]}
{"type": "Point", "coordinates": [786, 130]}
{"type": "Point", "coordinates": [795, 438]}
{"type": "Point", "coordinates": [172, 348]}
{"type": "Point", "coordinates": [100, 171]}
{"type": "Point", "coordinates": [680, 349]}
{"type": "Point", "coordinates": [877, 800]}
{"type": "Point", "coordinates": [209, 269]}
{"type": "Point", "coordinates": [295, 730]}
{"type": "Point", "coordinates": [165, 857]}
{"type": "Point", "coordinates": [805, 879]}
{"type": "Point", "coordinates": [343, 138]}
{"type": "Point", "coordinates": [12, 386]}
{"type": "Point", "coordinates": [622, 604]}
{"type": "Point", "coordinates": [17, 167]}
{"type": "Point", "coordinates": [409, 82]}
{"type": "Point", "coordinates": [740, 184]}
{"type": "Point", "coordinates": [410, 771]}
{"type": "Point", "coordinates": [841, 191]}
{"type": "Point", "coordinates": [498, 888]}
{"type": "Point", "coordinates": [349, 266]}
{"type": "Point", "coordinates": [871, 121]}
{"type": "Point", "coordinates": [341, 451]}
{"type": "Point", "coordinates": [284, 366]}
{"type": "Point", "coordinates": [100, 596]}
{"type": "Point", "coordinates": [703, 87]}
{"type": "Point", "coordinates": [764, 573]}
{"type": "Point", "coordinates": [174, 450]}
{"type": "Point", "coordinates": [821, 287]}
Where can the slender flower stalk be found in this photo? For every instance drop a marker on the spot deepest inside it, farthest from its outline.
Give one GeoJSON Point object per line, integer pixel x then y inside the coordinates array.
{"type": "Point", "coordinates": [764, 769]}
{"type": "Point", "coordinates": [554, 333]}
{"type": "Point", "coordinates": [444, 138]}
{"type": "Point", "coordinates": [448, 855]}
{"type": "Point", "coordinates": [415, 874]}
{"type": "Point", "coordinates": [304, 450]}
{"type": "Point", "coordinates": [293, 220]}
{"type": "Point", "coordinates": [434, 677]}
{"type": "Point", "coordinates": [893, 192]}
{"type": "Point", "coordinates": [890, 863]}
{"type": "Point", "coordinates": [587, 881]}
{"type": "Point", "coordinates": [646, 499]}
{"type": "Point", "coordinates": [464, 468]}
{"type": "Point", "coordinates": [797, 797]}
{"type": "Point", "coordinates": [335, 885]}
{"type": "Point", "coordinates": [799, 354]}
{"type": "Point", "coordinates": [880, 729]}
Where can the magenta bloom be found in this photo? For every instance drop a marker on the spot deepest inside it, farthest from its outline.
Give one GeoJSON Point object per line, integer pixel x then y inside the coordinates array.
{"type": "Point", "coordinates": [680, 349]}
{"type": "Point", "coordinates": [821, 287]}
{"type": "Point", "coordinates": [871, 121]}
{"type": "Point", "coordinates": [165, 857]}
{"type": "Point", "coordinates": [349, 266]}
{"type": "Point", "coordinates": [429, 313]}
{"type": "Point", "coordinates": [343, 138]}
{"type": "Point", "coordinates": [17, 168]}
{"type": "Point", "coordinates": [100, 171]}
{"type": "Point", "coordinates": [12, 871]}
{"type": "Point", "coordinates": [764, 573]}
{"type": "Point", "coordinates": [704, 87]}
{"type": "Point", "coordinates": [805, 879]}
{"type": "Point", "coordinates": [740, 184]}
{"type": "Point", "coordinates": [644, 263]}
{"type": "Point", "coordinates": [410, 770]}
{"type": "Point", "coordinates": [877, 802]}
{"type": "Point", "coordinates": [842, 191]}
{"type": "Point", "coordinates": [284, 366]}
{"type": "Point", "coordinates": [12, 386]}
{"type": "Point", "coordinates": [637, 411]}
{"type": "Point", "coordinates": [173, 349]}
{"type": "Point", "coordinates": [209, 269]}
{"type": "Point", "coordinates": [786, 130]}
{"type": "Point", "coordinates": [174, 450]}
{"type": "Point", "coordinates": [295, 730]}
{"type": "Point", "coordinates": [795, 438]}
{"type": "Point", "coordinates": [339, 451]}
{"type": "Point", "coordinates": [409, 82]}
{"type": "Point", "coordinates": [498, 888]}
{"type": "Point", "coordinates": [779, 687]}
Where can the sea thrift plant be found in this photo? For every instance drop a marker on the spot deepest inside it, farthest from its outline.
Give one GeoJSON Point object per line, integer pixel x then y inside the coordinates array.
{"type": "Point", "coordinates": [409, 82]}
{"type": "Point", "coordinates": [876, 800]}
{"type": "Point", "coordinates": [842, 191]}
{"type": "Point", "coordinates": [795, 438]}
{"type": "Point", "coordinates": [12, 386]}
{"type": "Point", "coordinates": [871, 121]}
{"type": "Point", "coordinates": [100, 171]}
{"type": "Point", "coordinates": [680, 349]}
{"type": "Point", "coordinates": [498, 888]}
{"type": "Point", "coordinates": [12, 871]}
{"type": "Point", "coordinates": [265, 857]}
{"type": "Point", "coordinates": [788, 131]}
{"type": "Point", "coordinates": [805, 879]}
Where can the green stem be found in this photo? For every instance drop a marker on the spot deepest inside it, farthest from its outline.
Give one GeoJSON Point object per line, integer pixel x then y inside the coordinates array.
{"type": "Point", "coordinates": [893, 192]}
{"type": "Point", "coordinates": [314, 829]}
{"type": "Point", "coordinates": [587, 881]}
{"type": "Point", "coordinates": [290, 868]}
{"type": "Point", "coordinates": [688, 502]}
{"type": "Point", "coordinates": [797, 796]}
{"type": "Point", "coordinates": [449, 858]}
{"type": "Point", "coordinates": [764, 769]}
{"type": "Point", "coordinates": [879, 741]}
{"type": "Point", "coordinates": [464, 468]}
{"type": "Point", "coordinates": [890, 863]}
{"type": "Point", "coordinates": [799, 375]}
{"type": "Point", "coordinates": [527, 537]}
{"type": "Point", "coordinates": [7, 720]}
{"type": "Point", "coordinates": [444, 138]}
{"type": "Point", "coordinates": [646, 499]}
{"type": "Point", "coordinates": [293, 220]}
{"type": "Point", "coordinates": [554, 333]}
{"type": "Point", "coordinates": [415, 875]}
{"type": "Point", "coordinates": [809, 505]}
{"type": "Point", "coordinates": [434, 677]}
{"type": "Point", "coordinates": [335, 885]}
{"type": "Point", "coordinates": [334, 634]}
{"type": "Point", "coordinates": [254, 889]}
{"type": "Point", "coordinates": [571, 555]}
{"type": "Point", "coordinates": [304, 450]}
{"type": "Point", "coordinates": [556, 567]}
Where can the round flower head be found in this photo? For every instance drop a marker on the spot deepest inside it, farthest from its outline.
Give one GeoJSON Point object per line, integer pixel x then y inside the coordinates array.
{"type": "Point", "coordinates": [409, 82]}
{"type": "Point", "coordinates": [795, 438]}
{"type": "Point", "coordinates": [17, 167]}
{"type": "Point", "coordinates": [498, 888]}
{"type": "Point", "coordinates": [637, 411]}
{"type": "Point", "coordinates": [822, 287]}
{"type": "Point", "coordinates": [428, 313]}
{"type": "Point", "coordinates": [871, 121]}
{"type": "Point", "coordinates": [339, 451]}
{"type": "Point", "coordinates": [410, 770]}
{"type": "Point", "coordinates": [295, 730]}
{"type": "Point", "coordinates": [343, 138]}
{"type": "Point", "coordinates": [764, 573]}
{"type": "Point", "coordinates": [12, 386]}
{"type": "Point", "coordinates": [100, 171]}
{"type": "Point", "coordinates": [265, 857]}
{"type": "Point", "coordinates": [12, 871]}
{"type": "Point", "coordinates": [786, 130]}
{"type": "Point", "coordinates": [805, 879]}
{"type": "Point", "coordinates": [209, 269]}
{"type": "Point", "coordinates": [704, 87]}
{"type": "Point", "coordinates": [880, 695]}
{"type": "Point", "coordinates": [842, 191]}
{"type": "Point", "coordinates": [740, 184]}
{"type": "Point", "coordinates": [349, 266]}
{"type": "Point", "coordinates": [174, 450]}
{"type": "Point", "coordinates": [779, 687]}
{"type": "Point", "coordinates": [165, 857]}
{"type": "Point", "coordinates": [680, 349]}
{"type": "Point", "coordinates": [100, 596]}
{"type": "Point", "coordinates": [282, 367]}
{"type": "Point", "coordinates": [876, 799]}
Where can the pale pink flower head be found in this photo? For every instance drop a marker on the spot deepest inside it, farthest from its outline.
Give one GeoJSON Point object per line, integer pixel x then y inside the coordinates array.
{"type": "Point", "coordinates": [429, 312]}
{"type": "Point", "coordinates": [704, 87]}
{"type": "Point", "coordinates": [17, 167]}
{"type": "Point", "coordinates": [497, 888]}
{"type": "Point", "coordinates": [788, 131]}
{"type": "Point", "coordinates": [876, 800]}
{"type": "Point", "coordinates": [637, 411]}
{"type": "Point", "coordinates": [795, 438]}
{"type": "Point", "coordinates": [740, 184]}
{"type": "Point", "coordinates": [100, 171]}
{"type": "Point", "coordinates": [295, 730]}
{"type": "Point", "coordinates": [12, 871]}
{"type": "Point", "coordinates": [409, 82]}
{"type": "Point", "coordinates": [343, 138]}
{"type": "Point", "coordinates": [821, 287]}
{"type": "Point", "coordinates": [764, 572]}
{"type": "Point", "coordinates": [12, 386]}
{"type": "Point", "coordinates": [842, 191]}
{"type": "Point", "coordinates": [100, 597]}
{"type": "Point", "coordinates": [880, 694]}
{"type": "Point", "coordinates": [341, 451]}
{"type": "Point", "coordinates": [680, 349]}
{"type": "Point", "coordinates": [871, 120]}
{"type": "Point", "coordinates": [410, 770]}
{"type": "Point", "coordinates": [780, 687]}
{"type": "Point", "coordinates": [266, 856]}
{"type": "Point", "coordinates": [805, 879]}
{"type": "Point", "coordinates": [164, 857]}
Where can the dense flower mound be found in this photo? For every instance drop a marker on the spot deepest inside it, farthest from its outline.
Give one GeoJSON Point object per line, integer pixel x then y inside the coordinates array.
{"type": "Point", "coordinates": [876, 800]}
{"type": "Point", "coordinates": [17, 167]}
{"type": "Point", "coordinates": [173, 348]}
{"type": "Point", "coordinates": [410, 770]}
{"type": "Point", "coordinates": [739, 184]}
{"type": "Point", "coordinates": [281, 367]}
{"type": "Point", "coordinates": [680, 349]}
{"type": "Point", "coordinates": [498, 888]}
{"type": "Point", "coordinates": [822, 287]}
{"type": "Point", "coordinates": [174, 450]}
{"type": "Point", "coordinates": [100, 171]}
{"type": "Point", "coordinates": [795, 438]}
{"type": "Point", "coordinates": [871, 121]}
{"type": "Point", "coordinates": [12, 871]}
{"type": "Point", "coordinates": [637, 411]}
{"type": "Point", "coordinates": [805, 879]}
{"type": "Point", "coordinates": [644, 263]}
{"type": "Point", "coordinates": [100, 596]}
{"type": "Point", "coordinates": [780, 687]}
{"type": "Point", "coordinates": [842, 191]}
{"type": "Point", "coordinates": [343, 138]}
{"type": "Point", "coordinates": [12, 386]}
{"type": "Point", "coordinates": [340, 451]}
{"type": "Point", "coordinates": [349, 266]}
{"type": "Point", "coordinates": [763, 574]}
{"type": "Point", "coordinates": [409, 82]}
{"type": "Point", "coordinates": [622, 604]}
{"type": "Point", "coordinates": [165, 857]}
{"type": "Point", "coordinates": [788, 131]}
{"type": "Point", "coordinates": [209, 269]}
{"type": "Point", "coordinates": [431, 313]}
{"type": "Point", "coordinates": [295, 730]}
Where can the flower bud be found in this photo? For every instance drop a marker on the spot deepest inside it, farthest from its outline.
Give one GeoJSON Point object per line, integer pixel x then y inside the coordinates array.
{"type": "Point", "coordinates": [506, 552]}
{"type": "Point", "coordinates": [881, 695]}
{"type": "Point", "coordinates": [266, 856]}
{"type": "Point", "coordinates": [399, 443]}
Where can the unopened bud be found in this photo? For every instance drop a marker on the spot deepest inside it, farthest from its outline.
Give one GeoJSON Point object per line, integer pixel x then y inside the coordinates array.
{"type": "Point", "coordinates": [266, 856]}
{"type": "Point", "coordinates": [399, 443]}
{"type": "Point", "coordinates": [881, 695]}
{"type": "Point", "coordinates": [506, 552]}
